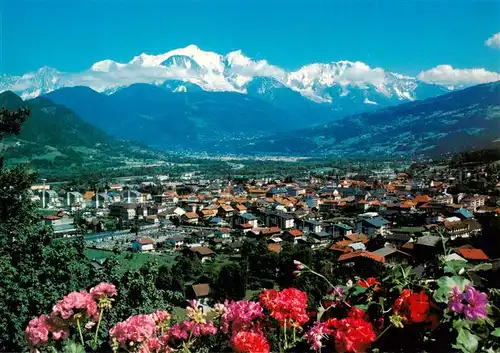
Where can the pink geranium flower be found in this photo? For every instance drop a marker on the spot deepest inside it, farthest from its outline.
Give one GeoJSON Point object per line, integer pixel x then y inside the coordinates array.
{"type": "Point", "coordinates": [76, 303]}
{"type": "Point", "coordinates": [138, 328]}
{"type": "Point", "coordinates": [103, 289]}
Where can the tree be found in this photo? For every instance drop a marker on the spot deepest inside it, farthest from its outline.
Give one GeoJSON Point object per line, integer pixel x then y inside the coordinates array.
{"type": "Point", "coordinates": [231, 283]}
{"type": "Point", "coordinates": [36, 269]}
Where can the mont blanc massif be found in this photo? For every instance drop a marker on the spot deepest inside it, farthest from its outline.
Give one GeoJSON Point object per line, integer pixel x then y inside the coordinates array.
{"type": "Point", "coordinates": [190, 99]}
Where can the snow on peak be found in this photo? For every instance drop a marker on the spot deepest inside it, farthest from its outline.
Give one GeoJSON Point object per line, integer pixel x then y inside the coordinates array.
{"type": "Point", "coordinates": [234, 71]}
{"type": "Point", "coordinates": [106, 66]}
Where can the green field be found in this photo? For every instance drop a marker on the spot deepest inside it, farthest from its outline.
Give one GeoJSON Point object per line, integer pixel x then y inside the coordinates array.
{"type": "Point", "coordinates": [133, 263]}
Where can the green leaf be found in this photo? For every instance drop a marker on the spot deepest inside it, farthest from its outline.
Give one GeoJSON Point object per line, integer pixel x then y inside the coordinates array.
{"type": "Point", "coordinates": [74, 347]}
{"type": "Point", "coordinates": [496, 333]}
{"type": "Point", "coordinates": [446, 284]}
{"type": "Point", "coordinates": [454, 266]}
{"type": "Point", "coordinates": [467, 342]}
{"type": "Point", "coordinates": [482, 267]}
{"type": "Point", "coordinates": [320, 313]}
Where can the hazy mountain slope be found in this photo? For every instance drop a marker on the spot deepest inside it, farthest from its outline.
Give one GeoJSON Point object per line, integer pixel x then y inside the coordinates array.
{"type": "Point", "coordinates": [453, 122]}
{"type": "Point", "coordinates": [155, 116]}
{"type": "Point", "coordinates": [53, 135]}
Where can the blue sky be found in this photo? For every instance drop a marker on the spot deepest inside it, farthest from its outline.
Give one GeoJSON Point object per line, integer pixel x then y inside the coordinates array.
{"type": "Point", "coordinates": [400, 36]}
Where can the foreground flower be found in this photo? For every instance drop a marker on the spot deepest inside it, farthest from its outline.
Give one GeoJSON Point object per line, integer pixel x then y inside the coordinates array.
{"type": "Point", "coordinates": [472, 303]}
{"type": "Point", "coordinates": [411, 307]}
{"type": "Point", "coordinates": [184, 329]}
{"type": "Point", "coordinates": [38, 330]}
{"type": "Point", "coordinates": [135, 329]}
{"type": "Point", "coordinates": [161, 316]}
{"type": "Point", "coordinates": [352, 334]}
{"type": "Point", "coordinates": [289, 305]}
{"type": "Point", "coordinates": [249, 342]}
{"type": "Point", "coordinates": [369, 282]}
{"type": "Point", "coordinates": [74, 303]}
{"type": "Point", "coordinates": [103, 289]}
{"type": "Point", "coordinates": [240, 315]}
{"type": "Point", "coordinates": [316, 335]}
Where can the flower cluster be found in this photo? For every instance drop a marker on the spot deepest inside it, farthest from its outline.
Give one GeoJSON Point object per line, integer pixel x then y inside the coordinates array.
{"type": "Point", "coordinates": [38, 330]}
{"type": "Point", "coordinates": [369, 282]}
{"type": "Point", "coordinates": [350, 334]}
{"type": "Point", "coordinates": [136, 329]}
{"type": "Point", "coordinates": [81, 303]}
{"type": "Point", "coordinates": [240, 315]}
{"type": "Point", "coordinates": [74, 308]}
{"type": "Point", "coordinates": [249, 342]}
{"type": "Point", "coordinates": [288, 306]}
{"type": "Point", "coordinates": [472, 303]}
{"type": "Point", "coordinates": [411, 307]}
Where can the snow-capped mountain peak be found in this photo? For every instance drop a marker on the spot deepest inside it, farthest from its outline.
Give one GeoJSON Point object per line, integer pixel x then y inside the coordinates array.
{"type": "Point", "coordinates": [234, 72]}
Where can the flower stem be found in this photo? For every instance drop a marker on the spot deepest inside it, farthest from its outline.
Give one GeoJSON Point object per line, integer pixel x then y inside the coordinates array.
{"type": "Point", "coordinates": [286, 340]}
{"type": "Point", "coordinates": [97, 329]}
{"type": "Point", "coordinates": [80, 330]}
{"type": "Point", "coordinates": [385, 330]}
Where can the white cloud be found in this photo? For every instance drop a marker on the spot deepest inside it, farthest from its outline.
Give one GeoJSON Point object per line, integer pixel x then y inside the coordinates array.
{"type": "Point", "coordinates": [493, 41]}
{"type": "Point", "coordinates": [446, 75]}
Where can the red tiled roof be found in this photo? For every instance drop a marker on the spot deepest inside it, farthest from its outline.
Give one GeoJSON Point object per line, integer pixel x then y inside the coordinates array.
{"type": "Point", "coordinates": [190, 215]}
{"type": "Point", "coordinates": [51, 217]}
{"type": "Point", "coordinates": [365, 254]}
{"type": "Point", "coordinates": [245, 226]}
{"type": "Point", "coordinates": [357, 237]}
{"type": "Point", "coordinates": [295, 233]}
{"type": "Point", "coordinates": [144, 241]}
{"type": "Point", "coordinates": [202, 250]}
{"type": "Point", "coordinates": [274, 247]}
{"type": "Point", "coordinates": [270, 230]}
{"type": "Point", "coordinates": [470, 253]}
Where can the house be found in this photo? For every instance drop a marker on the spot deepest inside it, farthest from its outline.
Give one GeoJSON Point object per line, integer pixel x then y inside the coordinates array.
{"type": "Point", "coordinates": [341, 230]}
{"type": "Point", "coordinates": [246, 218]}
{"type": "Point", "coordinates": [240, 209]}
{"type": "Point", "coordinates": [464, 213]}
{"type": "Point", "coordinates": [320, 239]}
{"type": "Point", "coordinates": [189, 218]}
{"type": "Point", "coordinates": [274, 247]}
{"type": "Point", "coordinates": [116, 187]}
{"type": "Point", "coordinates": [126, 211]}
{"type": "Point", "coordinates": [279, 219]}
{"type": "Point", "coordinates": [204, 253]}
{"type": "Point", "coordinates": [143, 245]}
{"type": "Point", "coordinates": [295, 191]}
{"type": "Point", "coordinates": [132, 196]}
{"type": "Point", "coordinates": [462, 229]}
{"type": "Point", "coordinates": [391, 254]}
{"type": "Point", "coordinates": [101, 199]}
{"type": "Point", "coordinates": [268, 232]}
{"type": "Point", "coordinates": [217, 222]}
{"type": "Point", "coordinates": [400, 236]}
{"type": "Point", "coordinates": [292, 235]}
{"type": "Point", "coordinates": [312, 226]}
{"type": "Point", "coordinates": [73, 198]}
{"type": "Point", "coordinates": [225, 211]}
{"type": "Point", "coordinates": [472, 202]}
{"type": "Point", "coordinates": [427, 246]}
{"type": "Point", "coordinates": [372, 225]}
{"type": "Point", "coordinates": [471, 254]}
{"type": "Point", "coordinates": [362, 260]}
{"type": "Point", "coordinates": [49, 199]}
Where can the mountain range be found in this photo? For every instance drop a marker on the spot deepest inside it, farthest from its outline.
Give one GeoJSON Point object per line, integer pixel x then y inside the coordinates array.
{"type": "Point", "coordinates": [322, 91]}
{"type": "Point", "coordinates": [458, 121]}
{"type": "Point", "coordinates": [54, 136]}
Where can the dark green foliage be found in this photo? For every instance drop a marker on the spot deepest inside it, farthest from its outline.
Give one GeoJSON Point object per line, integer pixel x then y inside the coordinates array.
{"type": "Point", "coordinates": [231, 283]}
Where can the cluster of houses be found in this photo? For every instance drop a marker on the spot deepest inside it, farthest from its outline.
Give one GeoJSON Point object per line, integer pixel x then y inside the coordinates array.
{"type": "Point", "coordinates": [365, 222]}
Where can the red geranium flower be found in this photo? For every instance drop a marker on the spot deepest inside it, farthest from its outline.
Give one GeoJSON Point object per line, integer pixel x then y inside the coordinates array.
{"type": "Point", "coordinates": [249, 342]}
{"type": "Point", "coordinates": [369, 282]}
{"type": "Point", "coordinates": [412, 307]}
